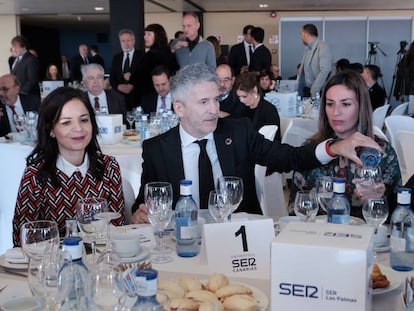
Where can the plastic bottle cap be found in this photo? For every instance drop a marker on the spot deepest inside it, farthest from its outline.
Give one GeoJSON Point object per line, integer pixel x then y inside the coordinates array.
{"type": "Point", "coordinates": [73, 246]}
{"type": "Point", "coordinates": [339, 185]}
{"type": "Point", "coordinates": [185, 187]}
{"type": "Point", "coordinates": [404, 196]}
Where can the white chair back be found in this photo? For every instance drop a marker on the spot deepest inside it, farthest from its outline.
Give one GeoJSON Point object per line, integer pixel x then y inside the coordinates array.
{"type": "Point", "coordinates": [130, 186]}
{"type": "Point", "coordinates": [405, 152]}
{"type": "Point", "coordinates": [269, 189]}
{"type": "Point", "coordinates": [299, 130]}
{"type": "Point", "coordinates": [378, 116]}
{"type": "Point", "coordinates": [379, 133]}
{"type": "Point", "coordinates": [397, 123]}
{"type": "Point", "coordinates": [400, 110]}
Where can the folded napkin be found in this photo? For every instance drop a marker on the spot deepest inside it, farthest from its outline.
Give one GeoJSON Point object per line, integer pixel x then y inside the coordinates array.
{"type": "Point", "coordinates": [15, 255]}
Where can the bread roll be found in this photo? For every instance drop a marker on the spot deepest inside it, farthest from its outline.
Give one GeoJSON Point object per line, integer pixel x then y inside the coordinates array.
{"type": "Point", "coordinates": [240, 303]}
{"type": "Point", "coordinates": [216, 281]}
{"type": "Point", "coordinates": [171, 288]}
{"type": "Point", "coordinates": [211, 306]}
{"type": "Point", "coordinates": [233, 289]}
{"type": "Point", "coordinates": [190, 283]}
{"type": "Point", "coordinates": [201, 295]}
{"type": "Point", "coordinates": [184, 304]}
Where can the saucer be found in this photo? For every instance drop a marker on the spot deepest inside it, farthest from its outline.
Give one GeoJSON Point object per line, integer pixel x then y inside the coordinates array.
{"type": "Point", "coordinates": [144, 253]}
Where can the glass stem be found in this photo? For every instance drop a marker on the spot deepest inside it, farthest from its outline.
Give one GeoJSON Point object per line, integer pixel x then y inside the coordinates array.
{"type": "Point", "coordinates": [160, 242]}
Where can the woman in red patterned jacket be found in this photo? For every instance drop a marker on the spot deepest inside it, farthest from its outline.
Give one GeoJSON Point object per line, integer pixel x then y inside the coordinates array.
{"type": "Point", "coordinates": [66, 165]}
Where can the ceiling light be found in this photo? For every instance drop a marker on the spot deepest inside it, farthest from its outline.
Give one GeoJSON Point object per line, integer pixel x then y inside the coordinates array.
{"type": "Point", "coordinates": [262, 6]}
{"type": "Point", "coordinates": [99, 8]}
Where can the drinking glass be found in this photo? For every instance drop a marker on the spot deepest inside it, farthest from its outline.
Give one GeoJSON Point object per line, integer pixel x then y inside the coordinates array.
{"type": "Point", "coordinates": [368, 182]}
{"type": "Point", "coordinates": [306, 205]}
{"type": "Point", "coordinates": [375, 212]}
{"type": "Point", "coordinates": [232, 186]}
{"type": "Point", "coordinates": [30, 125]}
{"type": "Point", "coordinates": [107, 288]}
{"type": "Point", "coordinates": [158, 200]}
{"type": "Point", "coordinates": [39, 238]}
{"type": "Point", "coordinates": [219, 205]}
{"type": "Point", "coordinates": [19, 119]}
{"type": "Point", "coordinates": [92, 227]}
{"type": "Point", "coordinates": [130, 117]}
{"type": "Point", "coordinates": [324, 191]}
{"type": "Point", "coordinates": [49, 286]}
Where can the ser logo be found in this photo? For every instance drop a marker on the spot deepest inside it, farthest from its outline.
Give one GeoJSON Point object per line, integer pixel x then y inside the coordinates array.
{"type": "Point", "coordinates": [299, 290]}
{"type": "Point", "coordinates": [103, 130]}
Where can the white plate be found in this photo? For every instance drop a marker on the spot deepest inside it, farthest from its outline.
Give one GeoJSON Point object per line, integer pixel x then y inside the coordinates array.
{"type": "Point", "coordinates": [144, 253]}
{"type": "Point", "coordinates": [21, 304]}
{"type": "Point", "coordinates": [392, 276]}
{"type": "Point", "coordinates": [259, 295]}
{"type": "Point", "coordinates": [8, 265]}
{"type": "Point", "coordinates": [353, 220]}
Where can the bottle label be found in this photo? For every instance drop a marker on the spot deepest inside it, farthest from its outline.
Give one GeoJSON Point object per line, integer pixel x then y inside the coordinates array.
{"type": "Point", "coordinates": [340, 219]}
{"type": "Point", "coordinates": [146, 288]}
{"type": "Point", "coordinates": [397, 244]}
{"type": "Point", "coordinates": [187, 233]}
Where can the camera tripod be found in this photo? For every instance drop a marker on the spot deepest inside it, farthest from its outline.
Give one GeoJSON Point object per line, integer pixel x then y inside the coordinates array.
{"type": "Point", "coordinates": [397, 72]}
{"type": "Point", "coordinates": [372, 59]}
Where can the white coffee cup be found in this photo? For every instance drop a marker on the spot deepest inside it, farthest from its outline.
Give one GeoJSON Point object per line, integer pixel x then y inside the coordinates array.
{"type": "Point", "coordinates": [126, 243]}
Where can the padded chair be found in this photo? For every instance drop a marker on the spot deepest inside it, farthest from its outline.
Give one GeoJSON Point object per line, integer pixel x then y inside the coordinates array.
{"type": "Point", "coordinates": [269, 189]}
{"type": "Point", "coordinates": [130, 185]}
{"type": "Point", "coordinates": [400, 110]}
{"type": "Point", "coordinates": [393, 124]}
{"type": "Point", "coordinates": [405, 152]}
{"type": "Point", "coordinates": [379, 133]}
{"type": "Point", "coordinates": [378, 116]}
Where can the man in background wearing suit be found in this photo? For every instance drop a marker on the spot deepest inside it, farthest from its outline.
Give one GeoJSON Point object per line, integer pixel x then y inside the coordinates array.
{"type": "Point", "coordinates": [124, 75]}
{"type": "Point", "coordinates": [93, 80]}
{"type": "Point", "coordinates": [239, 57]}
{"type": "Point", "coordinates": [12, 103]}
{"type": "Point", "coordinates": [231, 146]}
{"type": "Point", "coordinates": [161, 98]}
{"type": "Point", "coordinates": [25, 67]}
{"type": "Point", "coordinates": [65, 68]}
{"type": "Point", "coordinates": [316, 63]}
{"type": "Point", "coordinates": [377, 95]}
{"type": "Point", "coordinates": [230, 105]}
{"type": "Point", "coordinates": [261, 58]}
{"type": "Point", "coordinates": [78, 61]}
{"type": "Point", "coordinates": [96, 58]}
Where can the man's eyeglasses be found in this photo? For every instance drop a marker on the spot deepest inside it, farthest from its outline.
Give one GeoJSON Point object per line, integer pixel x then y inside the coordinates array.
{"type": "Point", "coordinates": [98, 77]}
{"type": "Point", "coordinates": [225, 80]}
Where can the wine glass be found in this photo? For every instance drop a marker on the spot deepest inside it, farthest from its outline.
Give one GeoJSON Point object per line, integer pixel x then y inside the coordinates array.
{"type": "Point", "coordinates": [48, 284]}
{"type": "Point", "coordinates": [130, 117]}
{"type": "Point", "coordinates": [39, 238]}
{"type": "Point", "coordinates": [306, 205]}
{"type": "Point", "coordinates": [375, 212]}
{"type": "Point", "coordinates": [324, 191]}
{"type": "Point", "coordinates": [158, 200]}
{"type": "Point", "coordinates": [232, 186]}
{"type": "Point", "coordinates": [368, 182]}
{"type": "Point", "coordinates": [19, 120]}
{"type": "Point", "coordinates": [107, 288]}
{"type": "Point", "coordinates": [219, 205]}
{"type": "Point", "coordinates": [91, 227]}
{"type": "Point", "coordinates": [30, 125]}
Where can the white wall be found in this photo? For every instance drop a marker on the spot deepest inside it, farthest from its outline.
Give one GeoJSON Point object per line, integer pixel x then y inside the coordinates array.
{"type": "Point", "coordinates": [9, 27]}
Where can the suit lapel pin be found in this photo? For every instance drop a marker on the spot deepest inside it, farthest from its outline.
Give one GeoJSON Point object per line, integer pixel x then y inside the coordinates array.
{"type": "Point", "coordinates": [228, 141]}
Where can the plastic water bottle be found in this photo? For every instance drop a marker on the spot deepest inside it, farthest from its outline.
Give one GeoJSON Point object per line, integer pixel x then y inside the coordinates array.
{"type": "Point", "coordinates": [299, 106]}
{"type": "Point", "coordinates": [186, 225]}
{"type": "Point", "coordinates": [80, 291]}
{"type": "Point", "coordinates": [146, 281]}
{"type": "Point", "coordinates": [165, 123]}
{"type": "Point", "coordinates": [402, 233]}
{"type": "Point", "coordinates": [144, 128]}
{"type": "Point", "coordinates": [338, 207]}
{"type": "Point", "coordinates": [317, 101]}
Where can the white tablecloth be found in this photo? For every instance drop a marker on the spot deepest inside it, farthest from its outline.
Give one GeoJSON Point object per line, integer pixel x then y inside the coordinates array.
{"type": "Point", "coordinates": [13, 162]}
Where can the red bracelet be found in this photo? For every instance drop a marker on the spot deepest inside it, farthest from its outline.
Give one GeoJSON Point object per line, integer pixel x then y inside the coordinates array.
{"type": "Point", "coordinates": [328, 148]}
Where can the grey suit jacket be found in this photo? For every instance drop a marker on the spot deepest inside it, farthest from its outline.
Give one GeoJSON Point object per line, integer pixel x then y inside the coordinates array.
{"type": "Point", "coordinates": [239, 148]}
{"type": "Point", "coordinates": [319, 64]}
{"type": "Point", "coordinates": [27, 71]}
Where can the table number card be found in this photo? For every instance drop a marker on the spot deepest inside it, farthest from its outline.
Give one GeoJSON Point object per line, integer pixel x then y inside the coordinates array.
{"type": "Point", "coordinates": [239, 248]}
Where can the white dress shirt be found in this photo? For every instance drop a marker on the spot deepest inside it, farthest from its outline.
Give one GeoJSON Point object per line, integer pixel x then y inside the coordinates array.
{"type": "Point", "coordinates": [191, 151]}
{"type": "Point", "coordinates": [68, 168]}
{"type": "Point", "coordinates": [247, 49]}
{"type": "Point", "coordinates": [167, 102]}
{"type": "Point", "coordinates": [19, 110]}
{"type": "Point", "coordinates": [131, 55]}
{"type": "Point", "coordinates": [103, 103]}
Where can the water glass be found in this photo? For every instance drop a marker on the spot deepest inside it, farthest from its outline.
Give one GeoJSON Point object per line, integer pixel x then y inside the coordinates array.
{"type": "Point", "coordinates": [232, 186]}
{"type": "Point", "coordinates": [158, 198]}
{"type": "Point", "coordinates": [324, 191]}
{"type": "Point", "coordinates": [107, 288]}
{"type": "Point", "coordinates": [368, 182]}
{"type": "Point", "coordinates": [306, 205]}
{"type": "Point", "coordinates": [39, 238]}
{"type": "Point", "coordinates": [219, 205]}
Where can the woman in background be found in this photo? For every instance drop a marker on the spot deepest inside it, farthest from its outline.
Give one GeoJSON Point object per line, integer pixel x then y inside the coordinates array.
{"type": "Point", "coordinates": [345, 109]}
{"type": "Point", "coordinates": [52, 73]}
{"type": "Point", "coordinates": [66, 165]}
{"type": "Point", "coordinates": [220, 58]}
{"type": "Point", "coordinates": [258, 110]}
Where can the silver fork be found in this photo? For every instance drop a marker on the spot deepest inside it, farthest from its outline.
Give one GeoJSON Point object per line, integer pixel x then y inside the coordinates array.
{"type": "Point", "coordinates": [1, 289]}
